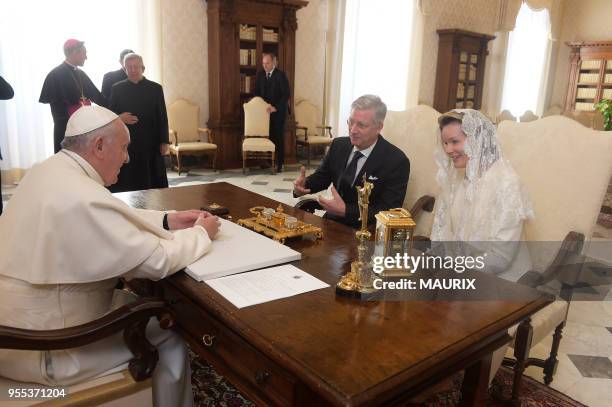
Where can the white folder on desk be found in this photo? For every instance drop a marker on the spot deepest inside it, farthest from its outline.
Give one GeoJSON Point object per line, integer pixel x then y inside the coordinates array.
{"type": "Point", "coordinates": [237, 249]}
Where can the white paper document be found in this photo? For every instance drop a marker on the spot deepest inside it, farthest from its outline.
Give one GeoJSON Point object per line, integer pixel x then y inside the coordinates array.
{"type": "Point", "coordinates": [237, 249]}
{"type": "Point", "coordinates": [265, 285]}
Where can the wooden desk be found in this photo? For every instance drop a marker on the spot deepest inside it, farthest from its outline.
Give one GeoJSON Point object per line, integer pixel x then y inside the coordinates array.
{"type": "Point", "coordinates": [320, 349]}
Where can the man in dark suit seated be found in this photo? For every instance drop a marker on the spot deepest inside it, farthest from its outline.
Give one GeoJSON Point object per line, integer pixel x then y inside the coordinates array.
{"type": "Point", "coordinates": [365, 151]}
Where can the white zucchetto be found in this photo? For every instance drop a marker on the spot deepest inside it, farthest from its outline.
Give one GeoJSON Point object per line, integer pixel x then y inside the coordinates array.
{"type": "Point", "coordinates": [88, 118]}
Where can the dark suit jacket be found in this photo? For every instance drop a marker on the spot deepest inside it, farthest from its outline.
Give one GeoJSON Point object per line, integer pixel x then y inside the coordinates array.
{"type": "Point", "coordinates": [387, 168]}
{"type": "Point", "coordinates": [278, 93]}
{"type": "Point", "coordinates": [6, 92]}
{"type": "Point", "coordinates": [111, 78]}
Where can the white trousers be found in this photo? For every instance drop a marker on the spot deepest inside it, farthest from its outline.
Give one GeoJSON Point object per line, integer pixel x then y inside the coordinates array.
{"type": "Point", "coordinates": [171, 377]}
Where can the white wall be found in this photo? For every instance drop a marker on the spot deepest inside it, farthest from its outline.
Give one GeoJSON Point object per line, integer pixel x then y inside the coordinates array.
{"type": "Point", "coordinates": [184, 45]}
{"type": "Point", "coordinates": [185, 52]}
{"type": "Point", "coordinates": [310, 41]}
{"type": "Point", "coordinates": [475, 15]}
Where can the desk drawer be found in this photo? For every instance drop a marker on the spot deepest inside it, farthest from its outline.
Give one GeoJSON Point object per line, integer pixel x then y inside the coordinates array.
{"type": "Point", "coordinates": [215, 342]}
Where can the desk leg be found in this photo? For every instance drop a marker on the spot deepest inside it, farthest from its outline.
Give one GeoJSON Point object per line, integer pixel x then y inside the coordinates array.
{"type": "Point", "coordinates": [476, 382]}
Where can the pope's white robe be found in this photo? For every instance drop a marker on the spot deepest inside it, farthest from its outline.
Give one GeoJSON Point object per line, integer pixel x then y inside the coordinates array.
{"type": "Point", "coordinates": [65, 242]}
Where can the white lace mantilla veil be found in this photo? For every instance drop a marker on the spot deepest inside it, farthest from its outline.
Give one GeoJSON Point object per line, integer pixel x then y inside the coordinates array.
{"type": "Point", "coordinates": [483, 150]}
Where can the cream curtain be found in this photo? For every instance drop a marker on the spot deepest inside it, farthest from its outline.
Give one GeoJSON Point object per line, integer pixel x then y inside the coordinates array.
{"type": "Point", "coordinates": [509, 9]}
{"type": "Point", "coordinates": [31, 37]}
{"type": "Point", "coordinates": [527, 62]}
{"type": "Point", "coordinates": [371, 55]}
{"type": "Point", "coordinates": [333, 59]}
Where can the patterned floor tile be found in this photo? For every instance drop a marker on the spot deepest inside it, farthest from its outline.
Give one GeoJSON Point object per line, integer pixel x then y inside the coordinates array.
{"type": "Point", "coordinates": [598, 367]}
{"type": "Point", "coordinates": [282, 190]}
{"type": "Point", "coordinates": [259, 182]}
{"type": "Point", "coordinates": [609, 328]}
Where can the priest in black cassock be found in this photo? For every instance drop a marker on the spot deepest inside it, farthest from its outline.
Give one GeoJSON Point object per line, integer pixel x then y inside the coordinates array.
{"type": "Point", "coordinates": [140, 104]}
{"type": "Point", "coordinates": [67, 88]}
{"type": "Point", "coordinates": [112, 77]}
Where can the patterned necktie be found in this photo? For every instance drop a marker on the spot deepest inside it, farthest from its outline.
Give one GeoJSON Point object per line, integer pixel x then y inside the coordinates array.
{"type": "Point", "coordinates": [349, 173]}
{"type": "Point", "coordinates": [268, 75]}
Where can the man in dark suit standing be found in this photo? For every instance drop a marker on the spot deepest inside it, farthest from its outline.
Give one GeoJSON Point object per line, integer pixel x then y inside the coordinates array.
{"type": "Point", "coordinates": [272, 85]}
{"type": "Point", "coordinates": [365, 151]}
{"type": "Point", "coordinates": [112, 77]}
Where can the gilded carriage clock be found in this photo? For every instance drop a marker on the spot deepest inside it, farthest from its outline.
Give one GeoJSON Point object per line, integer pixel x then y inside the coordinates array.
{"type": "Point", "coordinates": [394, 235]}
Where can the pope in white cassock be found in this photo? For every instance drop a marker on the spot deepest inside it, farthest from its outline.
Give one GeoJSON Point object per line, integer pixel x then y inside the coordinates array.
{"type": "Point", "coordinates": [65, 242]}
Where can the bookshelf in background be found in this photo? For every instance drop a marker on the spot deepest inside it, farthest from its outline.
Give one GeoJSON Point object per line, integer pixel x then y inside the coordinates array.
{"type": "Point", "coordinates": [460, 69]}
{"type": "Point", "coordinates": [590, 76]}
{"type": "Point", "coordinates": [247, 33]}
{"type": "Point", "coordinates": [239, 31]}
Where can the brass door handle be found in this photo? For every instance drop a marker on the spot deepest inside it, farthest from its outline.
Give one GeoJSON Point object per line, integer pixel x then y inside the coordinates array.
{"type": "Point", "coordinates": [261, 377]}
{"type": "Point", "coordinates": [208, 340]}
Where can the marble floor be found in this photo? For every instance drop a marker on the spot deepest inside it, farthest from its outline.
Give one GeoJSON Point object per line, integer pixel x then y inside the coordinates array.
{"type": "Point", "coordinates": [585, 357]}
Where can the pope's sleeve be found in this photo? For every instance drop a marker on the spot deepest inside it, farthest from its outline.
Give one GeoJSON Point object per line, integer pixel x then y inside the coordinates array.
{"type": "Point", "coordinates": [153, 216]}
{"type": "Point", "coordinates": [173, 255]}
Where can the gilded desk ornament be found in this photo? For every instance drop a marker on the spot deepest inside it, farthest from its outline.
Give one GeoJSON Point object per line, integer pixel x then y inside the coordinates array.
{"type": "Point", "coordinates": [358, 281]}
{"type": "Point", "coordinates": [394, 236]}
{"type": "Point", "coordinates": [278, 225]}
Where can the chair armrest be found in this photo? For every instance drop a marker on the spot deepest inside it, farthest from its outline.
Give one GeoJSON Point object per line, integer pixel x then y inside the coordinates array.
{"type": "Point", "coordinates": [424, 203]}
{"type": "Point", "coordinates": [308, 205]}
{"type": "Point", "coordinates": [131, 318]}
{"type": "Point", "coordinates": [304, 129]}
{"type": "Point", "coordinates": [207, 131]}
{"type": "Point", "coordinates": [326, 129]}
{"type": "Point", "coordinates": [173, 136]}
{"type": "Point", "coordinates": [563, 263]}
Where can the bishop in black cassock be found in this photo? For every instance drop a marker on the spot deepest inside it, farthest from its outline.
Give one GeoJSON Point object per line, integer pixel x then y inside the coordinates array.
{"type": "Point", "coordinates": [149, 134]}
{"type": "Point", "coordinates": [66, 88]}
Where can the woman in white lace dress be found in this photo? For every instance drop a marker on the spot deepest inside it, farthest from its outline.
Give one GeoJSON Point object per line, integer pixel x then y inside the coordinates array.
{"type": "Point", "coordinates": [482, 203]}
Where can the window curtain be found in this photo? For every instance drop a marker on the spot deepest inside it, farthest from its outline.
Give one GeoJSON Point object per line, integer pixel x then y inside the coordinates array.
{"type": "Point", "coordinates": [32, 34]}
{"type": "Point", "coordinates": [376, 56]}
{"type": "Point", "coordinates": [527, 62]}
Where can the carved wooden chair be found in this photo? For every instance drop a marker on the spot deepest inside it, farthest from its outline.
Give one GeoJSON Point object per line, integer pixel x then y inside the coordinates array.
{"type": "Point", "coordinates": [132, 385]}
{"type": "Point", "coordinates": [308, 132]}
{"type": "Point", "coordinates": [554, 110]}
{"type": "Point", "coordinates": [593, 120]}
{"type": "Point", "coordinates": [415, 132]}
{"type": "Point", "coordinates": [528, 116]}
{"type": "Point", "coordinates": [504, 115]}
{"type": "Point", "coordinates": [566, 168]}
{"type": "Point", "coordinates": [186, 134]}
{"type": "Point", "coordinates": [256, 143]}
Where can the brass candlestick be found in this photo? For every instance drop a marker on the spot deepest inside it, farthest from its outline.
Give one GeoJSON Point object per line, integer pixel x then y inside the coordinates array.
{"type": "Point", "coordinates": [352, 284]}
